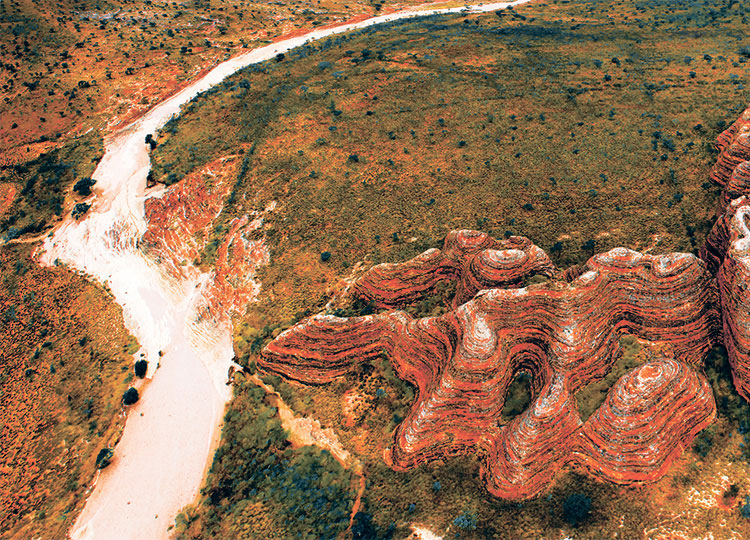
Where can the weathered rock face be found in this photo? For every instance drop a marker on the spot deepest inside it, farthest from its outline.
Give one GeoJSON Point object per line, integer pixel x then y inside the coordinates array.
{"type": "Point", "coordinates": [734, 148]}
{"type": "Point", "coordinates": [564, 334]}
{"type": "Point", "coordinates": [472, 259]}
{"type": "Point", "coordinates": [737, 186]}
{"type": "Point", "coordinates": [180, 222]}
{"type": "Point", "coordinates": [717, 242]}
{"type": "Point", "coordinates": [727, 250]}
{"type": "Point", "coordinates": [734, 282]}
{"type": "Point", "coordinates": [641, 427]}
{"type": "Point", "coordinates": [636, 434]}
{"type": "Point", "coordinates": [182, 216]}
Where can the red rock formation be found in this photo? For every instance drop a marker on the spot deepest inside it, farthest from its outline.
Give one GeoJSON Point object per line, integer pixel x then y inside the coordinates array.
{"type": "Point", "coordinates": [181, 220]}
{"type": "Point", "coordinates": [734, 148]}
{"type": "Point", "coordinates": [644, 423]}
{"type": "Point", "coordinates": [235, 271]}
{"type": "Point", "coordinates": [565, 334]}
{"type": "Point", "coordinates": [717, 242]}
{"type": "Point", "coordinates": [524, 458]}
{"type": "Point", "coordinates": [725, 137]}
{"type": "Point", "coordinates": [181, 217]}
{"type": "Point", "coordinates": [473, 259]}
{"type": "Point", "coordinates": [734, 283]}
{"type": "Point", "coordinates": [737, 186]}
{"type": "Point", "coordinates": [726, 248]}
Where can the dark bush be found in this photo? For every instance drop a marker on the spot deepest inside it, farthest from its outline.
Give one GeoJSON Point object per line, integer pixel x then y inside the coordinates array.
{"type": "Point", "coordinates": [325, 256]}
{"type": "Point", "coordinates": [130, 396]}
{"type": "Point", "coordinates": [83, 186]}
{"type": "Point", "coordinates": [466, 521]}
{"type": "Point", "coordinates": [80, 209]}
{"type": "Point", "coordinates": [140, 368]}
{"type": "Point", "coordinates": [576, 508]}
{"type": "Point", "coordinates": [104, 457]}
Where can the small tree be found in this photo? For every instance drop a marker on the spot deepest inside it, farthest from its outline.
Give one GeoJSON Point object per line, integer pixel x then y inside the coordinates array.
{"type": "Point", "coordinates": [466, 521]}
{"type": "Point", "coordinates": [83, 186]}
{"type": "Point", "coordinates": [104, 457]}
{"type": "Point", "coordinates": [141, 366]}
{"type": "Point", "coordinates": [130, 396]}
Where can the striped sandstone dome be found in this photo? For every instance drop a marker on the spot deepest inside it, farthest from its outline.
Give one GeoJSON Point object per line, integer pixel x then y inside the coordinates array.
{"type": "Point", "coordinates": [564, 332]}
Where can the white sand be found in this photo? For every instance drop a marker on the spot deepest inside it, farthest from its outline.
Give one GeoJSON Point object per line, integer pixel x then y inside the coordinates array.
{"type": "Point", "coordinates": [161, 459]}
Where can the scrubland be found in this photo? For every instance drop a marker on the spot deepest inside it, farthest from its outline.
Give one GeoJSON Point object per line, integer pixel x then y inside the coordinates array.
{"type": "Point", "coordinates": [66, 361]}
{"type": "Point", "coordinates": [582, 125]}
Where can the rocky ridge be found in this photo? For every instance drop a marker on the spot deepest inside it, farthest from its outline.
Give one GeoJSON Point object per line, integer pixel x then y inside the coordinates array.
{"type": "Point", "coordinates": [727, 248]}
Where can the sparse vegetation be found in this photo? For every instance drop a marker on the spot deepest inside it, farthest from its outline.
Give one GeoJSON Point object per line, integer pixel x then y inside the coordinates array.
{"type": "Point", "coordinates": [65, 361]}
{"type": "Point", "coordinates": [572, 123]}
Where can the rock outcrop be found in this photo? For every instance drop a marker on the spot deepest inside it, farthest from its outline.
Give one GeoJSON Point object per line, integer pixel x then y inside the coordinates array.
{"type": "Point", "coordinates": [737, 186]}
{"type": "Point", "coordinates": [472, 259]}
{"type": "Point", "coordinates": [727, 248]}
{"type": "Point", "coordinates": [727, 251]}
{"type": "Point", "coordinates": [181, 220]}
{"type": "Point", "coordinates": [565, 334]}
{"type": "Point", "coordinates": [644, 423]}
{"type": "Point", "coordinates": [734, 148]}
{"type": "Point", "coordinates": [734, 286]}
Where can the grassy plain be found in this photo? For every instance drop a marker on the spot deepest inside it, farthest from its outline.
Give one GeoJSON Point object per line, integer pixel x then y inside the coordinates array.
{"type": "Point", "coordinates": [72, 70]}
{"type": "Point", "coordinates": [70, 65]}
{"type": "Point", "coordinates": [66, 361]}
{"type": "Point", "coordinates": [583, 125]}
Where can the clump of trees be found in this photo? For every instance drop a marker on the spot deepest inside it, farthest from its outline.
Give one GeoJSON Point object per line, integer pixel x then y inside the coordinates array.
{"type": "Point", "coordinates": [256, 465]}
{"type": "Point", "coordinates": [466, 521]}
{"type": "Point", "coordinates": [576, 508]}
